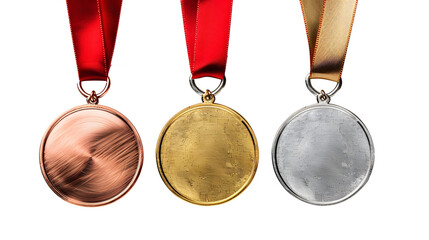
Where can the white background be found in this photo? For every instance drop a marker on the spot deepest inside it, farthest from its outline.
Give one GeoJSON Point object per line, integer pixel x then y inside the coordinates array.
{"type": "Point", "coordinates": [385, 84]}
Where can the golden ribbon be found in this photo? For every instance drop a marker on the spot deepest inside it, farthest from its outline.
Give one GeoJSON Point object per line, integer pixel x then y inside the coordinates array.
{"type": "Point", "coordinates": [329, 24]}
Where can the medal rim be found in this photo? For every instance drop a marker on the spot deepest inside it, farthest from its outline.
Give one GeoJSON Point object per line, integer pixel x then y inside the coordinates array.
{"type": "Point", "coordinates": [82, 108]}
{"type": "Point", "coordinates": [309, 108]}
{"type": "Point", "coordinates": [177, 116]}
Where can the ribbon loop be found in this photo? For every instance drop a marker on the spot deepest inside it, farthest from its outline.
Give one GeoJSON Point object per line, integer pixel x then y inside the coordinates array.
{"type": "Point", "coordinates": [94, 25]}
{"type": "Point", "coordinates": [207, 26]}
{"type": "Point", "coordinates": [329, 24]}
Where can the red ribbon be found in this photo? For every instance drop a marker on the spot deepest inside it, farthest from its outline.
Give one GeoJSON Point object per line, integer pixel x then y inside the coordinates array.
{"type": "Point", "coordinates": [94, 24]}
{"type": "Point", "coordinates": [207, 25]}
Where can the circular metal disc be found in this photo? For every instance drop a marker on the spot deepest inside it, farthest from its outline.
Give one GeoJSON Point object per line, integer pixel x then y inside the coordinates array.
{"type": "Point", "coordinates": [207, 154]}
{"type": "Point", "coordinates": [91, 156]}
{"type": "Point", "coordinates": [323, 154]}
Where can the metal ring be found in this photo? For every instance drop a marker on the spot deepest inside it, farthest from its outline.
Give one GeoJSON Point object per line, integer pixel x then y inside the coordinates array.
{"type": "Point", "coordinates": [99, 95]}
{"type": "Point", "coordinates": [316, 93]}
{"type": "Point", "coordinates": [201, 92]}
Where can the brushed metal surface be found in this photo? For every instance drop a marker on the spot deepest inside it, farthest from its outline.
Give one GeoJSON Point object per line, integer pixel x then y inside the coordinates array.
{"type": "Point", "coordinates": [323, 154]}
{"type": "Point", "coordinates": [91, 155]}
{"type": "Point", "coordinates": [207, 154]}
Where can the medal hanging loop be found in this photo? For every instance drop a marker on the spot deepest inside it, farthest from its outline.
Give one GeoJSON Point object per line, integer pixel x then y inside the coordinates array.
{"type": "Point", "coordinates": [100, 94]}
{"type": "Point", "coordinates": [201, 92]}
{"type": "Point", "coordinates": [94, 25]}
{"type": "Point", "coordinates": [322, 96]}
{"type": "Point", "coordinates": [92, 98]}
{"type": "Point", "coordinates": [328, 24]}
{"type": "Point", "coordinates": [207, 26]}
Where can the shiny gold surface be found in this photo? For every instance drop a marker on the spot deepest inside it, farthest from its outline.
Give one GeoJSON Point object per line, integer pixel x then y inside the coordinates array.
{"type": "Point", "coordinates": [207, 154]}
{"type": "Point", "coordinates": [329, 24]}
{"type": "Point", "coordinates": [91, 156]}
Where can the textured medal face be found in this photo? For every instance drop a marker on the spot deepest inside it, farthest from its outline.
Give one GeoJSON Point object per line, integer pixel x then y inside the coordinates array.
{"type": "Point", "coordinates": [91, 156]}
{"type": "Point", "coordinates": [323, 154]}
{"type": "Point", "coordinates": [207, 154]}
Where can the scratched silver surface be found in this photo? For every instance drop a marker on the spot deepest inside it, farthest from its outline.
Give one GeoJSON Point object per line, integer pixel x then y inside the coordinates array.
{"type": "Point", "coordinates": [323, 154]}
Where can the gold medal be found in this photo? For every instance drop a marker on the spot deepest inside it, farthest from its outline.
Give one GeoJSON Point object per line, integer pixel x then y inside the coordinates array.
{"type": "Point", "coordinates": [207, 153]}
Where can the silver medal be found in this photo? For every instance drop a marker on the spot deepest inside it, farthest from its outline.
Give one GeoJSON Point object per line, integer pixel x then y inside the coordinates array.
{"type": "Point", "coordinates": [323, 154]}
